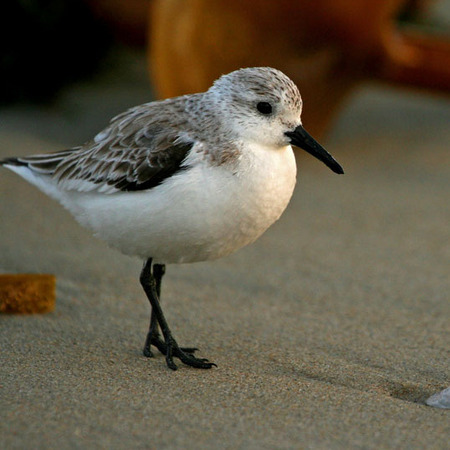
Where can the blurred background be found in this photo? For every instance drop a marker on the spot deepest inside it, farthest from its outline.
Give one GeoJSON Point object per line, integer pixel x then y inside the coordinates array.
{"type": "Point", "coordinates": [164, 48]}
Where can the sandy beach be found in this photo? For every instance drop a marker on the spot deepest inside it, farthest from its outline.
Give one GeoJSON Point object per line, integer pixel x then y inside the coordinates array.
{"type": "Point", "coordinates": [329, 332]}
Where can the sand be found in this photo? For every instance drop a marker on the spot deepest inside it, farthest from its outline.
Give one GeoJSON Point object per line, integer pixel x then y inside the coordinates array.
{"type": "Point", "coordinates": [329, 332]}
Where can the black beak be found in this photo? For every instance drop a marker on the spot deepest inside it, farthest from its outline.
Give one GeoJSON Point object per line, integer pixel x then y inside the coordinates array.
{"type": "Point", "coordinates": [301, 138]}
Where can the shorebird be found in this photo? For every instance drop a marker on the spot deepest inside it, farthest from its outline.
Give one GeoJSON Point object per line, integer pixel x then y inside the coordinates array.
{"type": "Point", "coordinates": [186, 179]}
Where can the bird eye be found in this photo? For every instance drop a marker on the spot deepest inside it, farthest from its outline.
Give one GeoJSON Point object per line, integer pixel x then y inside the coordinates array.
{"type": "Point", "coordinates": [264, 108]}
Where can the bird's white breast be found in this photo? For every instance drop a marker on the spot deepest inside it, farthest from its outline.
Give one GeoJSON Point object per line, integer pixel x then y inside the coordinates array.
{"type": "Point", "coordinates": [204, 212]}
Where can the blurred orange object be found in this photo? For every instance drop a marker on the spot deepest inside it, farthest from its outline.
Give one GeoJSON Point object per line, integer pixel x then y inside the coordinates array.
{"type": "Point", "coordinates": [326, 46]}
{"type": "Point", "coordinates": [27, 293]}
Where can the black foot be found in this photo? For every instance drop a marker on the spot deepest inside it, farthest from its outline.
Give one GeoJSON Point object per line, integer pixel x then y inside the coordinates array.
{"type": "Point", "coordinates": [162, 346]}
{"type": "Point", "coordinates": [172, 350]}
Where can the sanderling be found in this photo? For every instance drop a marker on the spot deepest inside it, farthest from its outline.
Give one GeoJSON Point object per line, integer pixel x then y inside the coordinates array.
{"type": "Point", "coordinates": [186, 179]}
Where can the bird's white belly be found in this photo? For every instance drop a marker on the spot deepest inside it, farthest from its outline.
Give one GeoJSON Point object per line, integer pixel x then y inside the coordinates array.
{"type": "Point", "coordinates": [204, 212]}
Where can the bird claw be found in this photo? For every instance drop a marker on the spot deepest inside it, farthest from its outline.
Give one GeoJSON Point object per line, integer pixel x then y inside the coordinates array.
{"type": "Point", "coordinates": [186, 358]}
{"type": "Point", "coordinates": [147, 352]}
{"type": "Point", "coordinates": [185, 354]}
{"type": "Point", "coordinates": [162, 347]}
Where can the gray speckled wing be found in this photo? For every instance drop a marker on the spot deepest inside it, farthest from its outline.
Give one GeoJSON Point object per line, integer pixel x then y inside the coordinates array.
{"type": "Point", "coordinates": [137, 151]}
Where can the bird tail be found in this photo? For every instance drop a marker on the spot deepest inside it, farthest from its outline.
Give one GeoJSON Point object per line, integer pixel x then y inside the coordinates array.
{"type": "Point", "coordinates": [39, 164]}
{"type": "Point", "coordinates": [37, 170]}
{"type": "Point", "coordinates": [11, 162]}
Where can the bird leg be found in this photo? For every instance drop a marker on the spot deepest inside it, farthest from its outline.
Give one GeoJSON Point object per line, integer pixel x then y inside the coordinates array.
{"type": "Point", "coordinates": [151, 283]}
{"type": "Point", "coordinates": [153, 336]}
